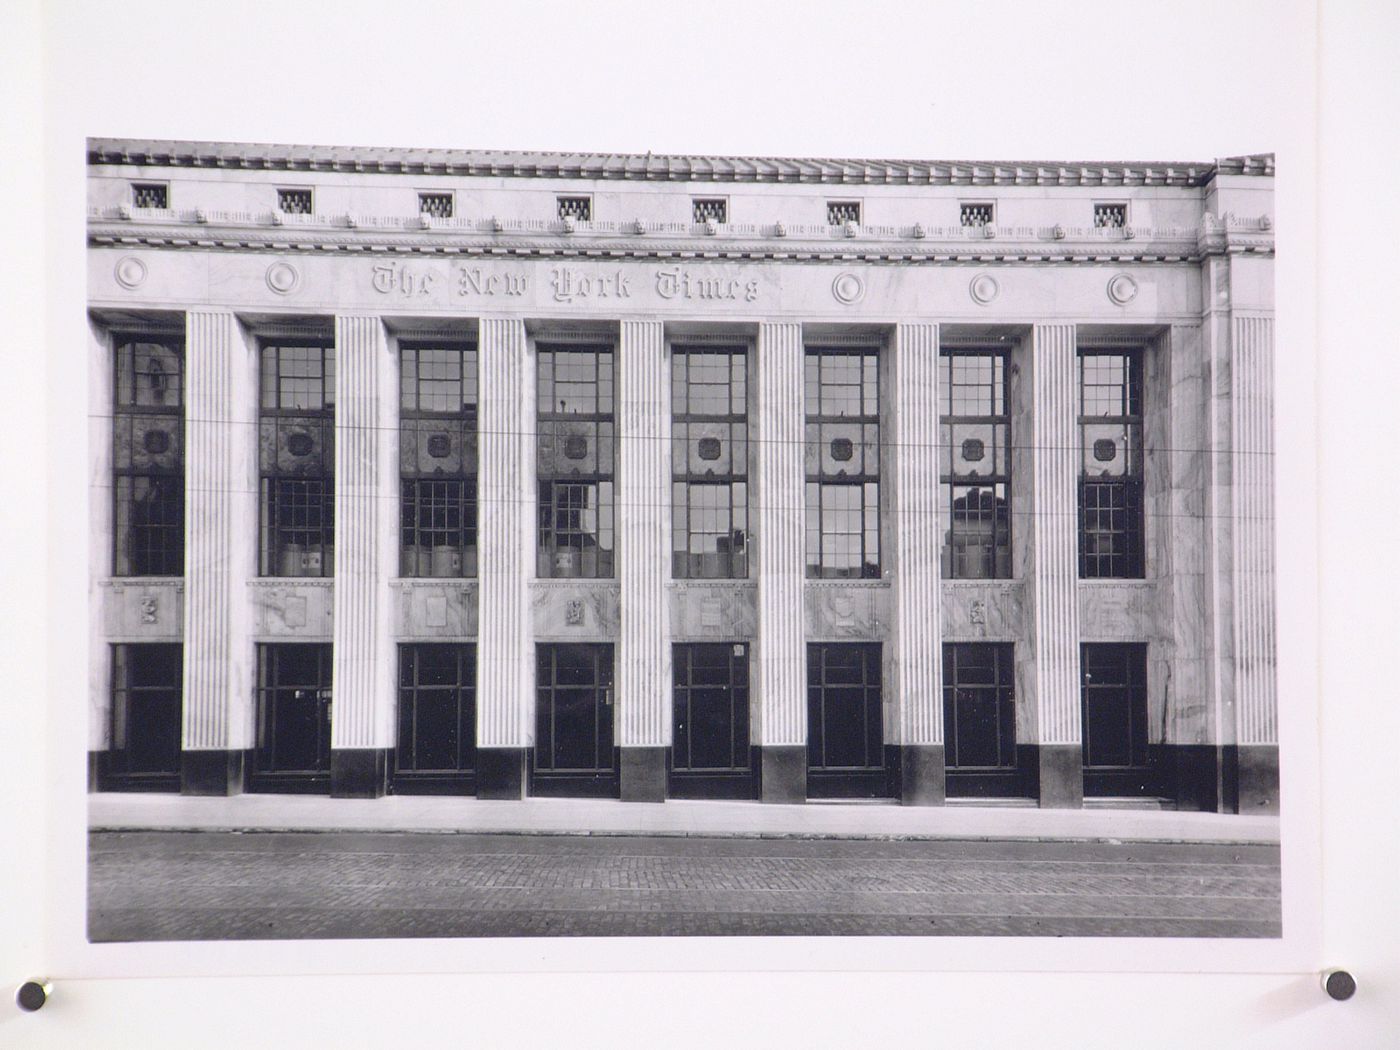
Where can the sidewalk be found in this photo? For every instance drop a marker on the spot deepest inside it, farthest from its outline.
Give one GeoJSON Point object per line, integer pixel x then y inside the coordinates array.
{"type": "Point", "coordinates": [550, 816]}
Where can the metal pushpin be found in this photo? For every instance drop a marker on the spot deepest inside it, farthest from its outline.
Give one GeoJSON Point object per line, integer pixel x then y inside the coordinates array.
{"type": "Point", "coordinates": [1339, 984]}
{"type": "Point", "coordinates": [33, 994]}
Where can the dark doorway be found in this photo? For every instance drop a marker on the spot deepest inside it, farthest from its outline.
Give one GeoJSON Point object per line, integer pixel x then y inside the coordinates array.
{"type": "Point", "coordinates": [436, 749]}
{"type": "Point", "coordinates": [845, 728]}
{"type": "Point", "coordinates": [574, 753]}
{"type": "Point", "coordinates": [146, 719]}
{"type": "Point", "coordinates": [979, 721]}
{"type": "Point", "coordinates": [710, 751]}
{"type": "Point", "coordinates": [1116, 756]}
{"type": "Point", "coordinates": [294, 719]}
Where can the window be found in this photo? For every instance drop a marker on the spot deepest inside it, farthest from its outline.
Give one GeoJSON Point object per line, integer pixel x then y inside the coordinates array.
{"type": "Point", "coordinates": [843, 463]}
{"type": "Point", "coordinates": [438, 205]}
{"type": "Point", "coordinates": [975, 465]}
{"type": "Point", "coordinates": [578, 208]}
{"type": "Point", "coordinates": [150, 195]}
{"type": "Point", "coordinates": [148, 458]}
{"type": "Point", "coordinates": [1110, 481]}
{"type": "Point", "coordinates": [1114, 216]}
{"type": "Point", "coordinates": [437, 715]}
{"type": "Point", "coordinates": [575, 461]}
{"type": "Point", "coordinates": [294, 202]}
{"type": "Point", "coordinates": [297, 459]}
{"type": "Point", "coordinates": [838, 213]}
{"type": "Point", "coordinates": [709, 209]}
{"type": "Point", "coordinates": [438, 460]}
{"type": "Point", "coordinates": [977, 213]}
{"type": "Point", "coordinates": [709, 464]}
{"type": "Point", "coordinates": [146, 715]}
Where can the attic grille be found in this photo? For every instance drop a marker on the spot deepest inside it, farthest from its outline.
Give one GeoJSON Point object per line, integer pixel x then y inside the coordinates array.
{"type": "Point", "coordinates": [1110, 216]}
{"type": "Point", "coordinates": [150, 195]}
{"type": "Point", "coordinates": [709, 209]}
{"type": "Point", "coordinates": [294, 202]}
{"type": "Point", "coordinates": [577, 208]}
{"type": "Point", "coordinates": [977, 214]}
{"type": "Point", "coordinates": [838, 213]}
{"type": "Point", "coordinates": [438, 205]}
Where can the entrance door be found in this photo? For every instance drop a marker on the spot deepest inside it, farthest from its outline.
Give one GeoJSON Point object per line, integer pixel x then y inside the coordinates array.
{"type": "Point", "coordinates": [710, 752]}
{"type": "Point", "coordinates": [294, 719]}
{"type": "Point", "coordinates": [146, 715]}
{"type": "Point", "coordinates": [1116, 756]}
{"type": "Point", "coordinates": [574, 753]}
{"type": "Point", "coordinates": [845, 730]}
{"type": "Point", "coordinates": [436, 748]}
{"type": "Point", "coordinates": [979, 721]}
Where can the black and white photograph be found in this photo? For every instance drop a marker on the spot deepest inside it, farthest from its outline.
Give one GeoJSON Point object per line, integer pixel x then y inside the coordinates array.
{"type": "Point", "coordinates": [665, 524]}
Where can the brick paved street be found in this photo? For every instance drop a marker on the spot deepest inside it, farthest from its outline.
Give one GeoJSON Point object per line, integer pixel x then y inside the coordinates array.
{"type": "Point", "coordinates": [259, 885]}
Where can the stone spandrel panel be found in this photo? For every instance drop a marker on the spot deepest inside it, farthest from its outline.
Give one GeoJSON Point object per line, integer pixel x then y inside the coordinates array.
{"type": "Point", "coordinates": [300, 611]}
{"type": "Point", "coordinates": [146, 611]}
{"type": "Point", "coordinates": [1118, 611]}
{"type": "Point", "coordinates": [987, 611]}
{"type": "Point", "coordinates": [431, 610]}
{"type": "Point", "coordinates": [713, 611]}
{"type": "Point", "coordinates": [847, 611]}
{"type": "Point", "coordinates": [575, 612]}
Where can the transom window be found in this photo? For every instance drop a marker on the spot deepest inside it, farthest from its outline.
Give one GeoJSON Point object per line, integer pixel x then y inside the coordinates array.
{"type": "Point", "coordinates": [843, 463]}
{"type": "Point", "coordinates": [294, 201]}
{"type": "Point", "coordinates": [579, 208]}
{"type": "Point", "coordinates": [709, 209]}
{"type": "Point", "coordinates": [838, 213]}
{"type": "Point", "coordinates": [438, 460]}
{"type": "Point", "coordinates": [297, 459]}
{"type": "Point", "coordinates": [977, 213]}
{"type": "Point", "coordinates": [975, 465]}
{"type": "Point", "coordinates": [1111, 464]}
{"type": "Point", "coordinates": [709, 463]}
{"type": "Point", "coordinates": [150, 195]}
{"type": "Point", "coordinates": [148, 460]}
{"type": "Point", "coordinates": [575, 461]}
{"type": "Point", "coordinates": [438, 205]}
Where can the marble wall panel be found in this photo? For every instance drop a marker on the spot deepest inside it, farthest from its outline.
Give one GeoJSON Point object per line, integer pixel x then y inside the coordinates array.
{"type": "Point", "coordinates": [1117, 611]}
{"type": "Point", "coordinates": [299, 611]}
{"type": "Point", "coordinates": [840, 611]}
{"type": "Point", "coordinates": [435, 609]}
{"type": "Point", "coordinates": [984, 611]}
{"type": "Point", "coordinates": [144, 611]}
{"type": "Point", "coordinates": [575, 611]}
{"type": "Point", "coordinates": [713, 611]}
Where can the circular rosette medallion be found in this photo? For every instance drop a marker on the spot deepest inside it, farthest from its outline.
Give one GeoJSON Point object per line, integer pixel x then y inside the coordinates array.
{"type": "Point", "coordinates": [283, 278]}
{"type": "Point", "coordinates": [1122, 289]}
{"type": "Point", "coordinates": [983, 288]}
{"type": "Point", "coordinates": [848, 288]}
{"type": "Point", "coordinates": [130, 271]}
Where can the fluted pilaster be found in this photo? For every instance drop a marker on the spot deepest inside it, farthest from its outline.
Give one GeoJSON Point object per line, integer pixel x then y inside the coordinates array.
{"type": "Point", "coordinates": [506, 535]}
{"type": "Point", "coordinates": [779, 523]}
{"type": "Point", "coordinates": [644, 672]}
{"type": "Point", "coordinates": [366, 539]}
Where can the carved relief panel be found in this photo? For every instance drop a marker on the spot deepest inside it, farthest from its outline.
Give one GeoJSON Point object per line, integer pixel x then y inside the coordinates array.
{"type": "Point", "coordinates": [719, 611]}
{"type": "Point", "coordinates": [154, 611]}
{"type": "Point", "coordinates": [283, 609]}
{"type": "Point", "coordinates": [435, 610]}
{"type": "Point", "coordinates": [984, 611]}
{"type": "Point", "coordinates": [837, 611]}
{"type": "Point", "coordinates": [575, 611]}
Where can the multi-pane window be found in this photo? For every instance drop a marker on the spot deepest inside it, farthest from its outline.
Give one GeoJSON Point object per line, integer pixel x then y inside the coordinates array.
{"type": "Point", "coordinates": [438, 460]}
{"type": "Point", "coordinates": [1111, 464]}
{"type": "Point", "coordinates": [148, 459]}
{"type": "Point", "coordinates": [146, 711]}
{"type": "Point", "coordinates": [438, 205]}
{"type": "Point", "coordinates": [150, 195]}
{"type": "Point", "coordinates": [297, 459]}
{"type": "Point", "coordinates": [709, 464]}
{"type": "Point", "coordinates": [580, 208]}
{"type": "Point", "coordinates": [838, 213]}
{"type": "Point", "coordinates": [575, 461]}
{"type": "Point", "coordinates": [842, 390]}
{"type": "Point", "coordinates": [975, 465]}
{"type": "Point", "coordinates": [709, 209]}
{"type": "Point", "coordinates": [1114, 216]}
{"type": "Point", "coordinates": [977, 213]}
{"type": "Point", "coordinates": [294, 201]}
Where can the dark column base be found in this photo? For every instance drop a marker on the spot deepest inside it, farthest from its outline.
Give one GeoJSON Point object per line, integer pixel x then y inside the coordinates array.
{"type": "Point", "coordinates": [500, 772]}
{"type": "Point", "coordinates": [1061, 776]}
{"type": "Point", "coordinates": [1192, 773]}
{"type": "Point", "coordinates": [922, 775]}
{"type": "Point", "coordinates": [214, 772]}
{"type": "Point", "coordinates": [643, 774]}
{"type": "Point", "coordinates": [359, 772]}
{"type": "Point", "coordinates": [783, 777]}
{"type": "Point", "coordinates": [1258, 778]}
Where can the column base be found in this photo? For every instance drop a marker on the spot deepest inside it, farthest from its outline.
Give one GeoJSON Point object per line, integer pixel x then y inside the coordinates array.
{"type": "Point", "coordinates": [1196, 774]}
{"type": "Point", "coordinates": [500, 772]}
{"type": "Point", "coordinates": [922, 775]}
{"type": "Point", "coordinates": [359, 772]}
{"type": "Point", "coordinates": [1258, 778]}
{"type": "Point", "coordinates": [218, 773]}
{"type": "Point", "coordinates": [1061, 776]}
{"type": "Point", "coordinates": [783, 775]}
{"type": "Point", "coordinates": [643, 774]}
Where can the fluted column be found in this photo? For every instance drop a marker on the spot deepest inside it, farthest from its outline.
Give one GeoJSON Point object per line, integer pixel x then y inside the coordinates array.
{"type": "Point", "coordinates": [778, 520]}
{"type": "Point", "coordinates": [644, 672]}
{"type": "Point", "coordinates": [1053, 587]}
{"type": "Point", "coordinates": [918, 649]}
{"type": "Point", "coordinates": [1252, 562]}
{"type": "Point", "coordinates": [221, 412]}
{"type": "Point", "coordinates": [505, 531]}
{"type": "Point", "coordinates": [363, 660]}
{"type": "Point", "coordinates": [101, 382]}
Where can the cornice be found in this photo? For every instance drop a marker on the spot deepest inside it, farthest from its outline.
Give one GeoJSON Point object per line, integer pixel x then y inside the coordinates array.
{"type": "Point", "coordinates": [664, 167]}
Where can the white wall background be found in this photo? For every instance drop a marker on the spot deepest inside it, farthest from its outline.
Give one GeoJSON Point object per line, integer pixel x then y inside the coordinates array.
{"type": "Point", "coordinates": [1189, 80]}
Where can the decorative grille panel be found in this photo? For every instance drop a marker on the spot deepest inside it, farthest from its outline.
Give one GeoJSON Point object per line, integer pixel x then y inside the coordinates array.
{"type": "Point", "coordinates": [838, 213]}
{"type": "Point", "coordinates": [709, 209]}
{"type": "Point", "coordinates": [1110, 216]}
{"type": "Point", "coordinates": [577, 208]}
{"type": "Point", "coordinates": [150, 195]}
{"type": "Point", "coordinates": [294, 202]}
{"type": "Point", "coordinates": [438, 205]}
{"type": "Point", "coordinates": [977, 214]}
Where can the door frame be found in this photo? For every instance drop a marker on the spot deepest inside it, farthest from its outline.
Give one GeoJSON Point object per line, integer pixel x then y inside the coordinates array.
{"type": "Point", "coordinates": [288, 781]}
{"type": "Point", "coordinates": [600, 781]}
{"type": "Point", "coordinates": [870, 781]}
{"type": "Point", "coordinates": [735, 782]}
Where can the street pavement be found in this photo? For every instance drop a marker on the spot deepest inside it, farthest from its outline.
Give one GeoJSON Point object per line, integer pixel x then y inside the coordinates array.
{"type": "Point", "coordinates": [221, 885]}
